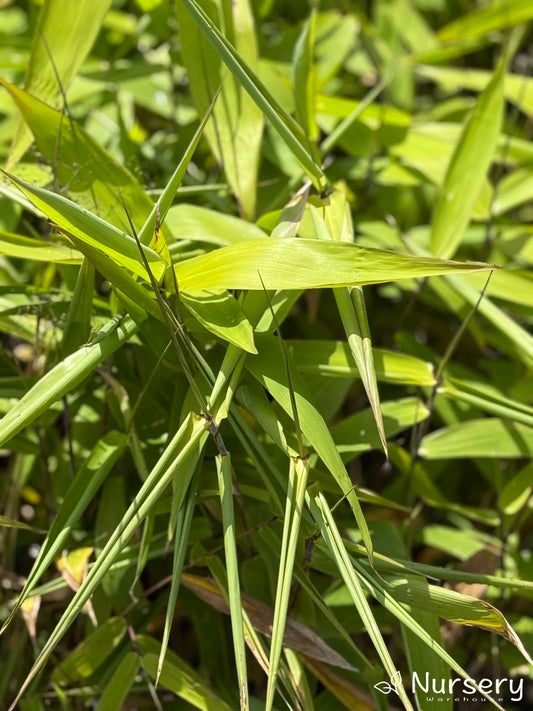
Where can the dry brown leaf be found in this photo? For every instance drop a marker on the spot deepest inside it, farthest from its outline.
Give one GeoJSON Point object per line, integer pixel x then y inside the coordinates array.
{"type": "Point", "coordinates": [297, 636]}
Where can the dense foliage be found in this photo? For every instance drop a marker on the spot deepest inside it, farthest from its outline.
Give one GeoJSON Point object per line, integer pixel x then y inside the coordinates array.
{"type": "Point", "coordinates": [265, 369]}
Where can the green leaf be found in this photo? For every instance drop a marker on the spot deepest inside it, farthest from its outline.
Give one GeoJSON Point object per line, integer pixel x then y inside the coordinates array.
{"type": "Point", "coordinates": [185, 446]}
{"type": "Point", "coordinates": [35, 249]}
{"type": "Point", "coordinates": [12, 523]}
{"type": "Point", "coordinates": [381, 593]}
{"type": "Point", "coordinates": [451, 605]}
{"type": "Point", "coordinates": [77, 327]}
{"type": "Point", "coordinates": [491, 18]}
{"type": "Point", "coordinates": [221, 314]}
{"type": "Point", "coordinates": [181, 539]}
{"type": "Point", "coordinates": [65, 376]}
{"type": "Point", "coordinates": [120, 684]}
{"type": "Point", "coordinates": [479, 438]}
{"type": "Point", "coordinates": [305, 78]}
{"type": "Point", "coordinates": [488, 399]}
{"type": "Point", "coordinates": [91, 653]}
{"type": "Point", "coordinates": [468, 167]}
{"type": "Point", "coordinates": [269, 370]}
{"type": "Point", "coordinates": [225, 486]}
{"type": "Point", "coordinates": [200, 224]}
{"type": "Point", "coordinates": [56, 55]}
{"type": "Point", "coordinates": [517, 491]}
{"type": "Point", "coordinates": [357, 433]}
{"type": "Point", "coordinates": [351, 306]}
{"type": "Point", "coordinates": [288, 129]}
{"type": "Point", "coordinates": [305, 264]}
{"type": "Point", "coordinates": [333, 540]}
{"type": "Point", "coordinates": [79, 495]}
{"type": "Point", "coordinates": [517, 88]}
{"type": "Point", "coordinates": [298, 473]}
{"type": "Point", "coordinates": [334, 358]}
{"type": "Point", "coordinates": [179, 677]}
{"type": "Point", "coordinates": [91, 176]}
{"type": "Point", "coordinates": [74, 219]}
{"type": "Point", "coordinates": [236, 128]}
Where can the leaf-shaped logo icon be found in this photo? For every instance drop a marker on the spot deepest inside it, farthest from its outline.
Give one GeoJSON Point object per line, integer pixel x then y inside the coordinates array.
{"type": "Point", "coordinates": [384, 687]}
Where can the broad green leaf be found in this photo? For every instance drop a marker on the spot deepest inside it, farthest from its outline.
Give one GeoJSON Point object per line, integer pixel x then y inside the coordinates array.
{"type": "Point", "coordinates": [371, 113]}
{"type": "Point", "coordinates": [490, 437]}
{"type": "Point", "coordinates": [336, 36]}
{"type": "Point", "coordinates": [468, 167]}
{"type": "Point", "coordinates": [30, 248]}
{"type": "Point", "coordinates": [452, 606]}
{"type": "Point", "coordinates": [334, 358]}
{"type": "Point", "coordinates": [120, 684]}
{"type": "Point", "coordinates": [521, 339]}
{"type": "Point", "coordinates": [458, 543]}
{"type": "Point", "coordinates": [514, 286]}
{"type": "Point", "coordinates": [488, 399]}
{"type": "Point", "coordinates": [91, 653]}
{"type": "Point", "coordinates": [517, 88]}
{"type": "Point", "coordinates": [491, 18]}
{"type": "Point", "coordinates": [65, 376]}
{"type": "Point", "coordinates": [221, 314]}
{"type": "Point", "coordinates": [513, 189]}
{"type": "Point", "coordinates": [90, 175]}
{"type": "Point", "coordinates": [73, 219]}
{"type": "Point", "coordinates": [200, 224]}
{"type": "Point", "coordinates": [357, 433]}
{"type": "Point", "coordinates": [57, 55]}
{"type": "Point", "coordinates": [408, 21]}
{"type": "Point", "coordinates": [304, 264]}
{"type": "Point", "coordinates": [236, 128]}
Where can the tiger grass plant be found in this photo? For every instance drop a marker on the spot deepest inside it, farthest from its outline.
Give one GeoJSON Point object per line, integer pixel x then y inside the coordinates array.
{"type": "Point", "coordinates": [266, 367]}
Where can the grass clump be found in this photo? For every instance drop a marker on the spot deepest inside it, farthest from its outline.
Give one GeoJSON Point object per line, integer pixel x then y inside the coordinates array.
{"type": "Point", "coordinates": [265, 374]}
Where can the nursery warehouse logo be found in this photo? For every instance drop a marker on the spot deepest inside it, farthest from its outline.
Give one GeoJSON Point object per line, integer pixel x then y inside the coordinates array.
{"type": "Point", "coordinates": [457, 689]}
